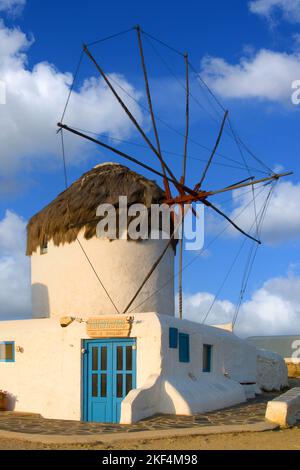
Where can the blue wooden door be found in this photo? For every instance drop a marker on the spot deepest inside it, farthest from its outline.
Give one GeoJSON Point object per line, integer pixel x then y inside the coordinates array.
{"type": "Point", "coordinates": [109, 375]}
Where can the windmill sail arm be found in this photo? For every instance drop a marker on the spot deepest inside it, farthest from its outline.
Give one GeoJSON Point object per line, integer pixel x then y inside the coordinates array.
{"type": "Point", "coordinates": [198, 186]}
{"type": "Point", "coordinates": [166, 182]}
{"type": "Point", "coordinates": [128, 157]}
{"type": "Point", "coordinates": [129, 114]}
{"type": "Point", "coordinates": [216, 209]}
{"type": "Point", "coordinates": [276, 176]}
{"type": "Point", "coordinates": [194, 196]}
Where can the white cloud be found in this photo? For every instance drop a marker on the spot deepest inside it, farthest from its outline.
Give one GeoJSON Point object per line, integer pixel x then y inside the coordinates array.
{"type": "Point", "coordinates": [282, 220]}
{"type": "Point", "coordinates": [15, 296]}
{"type": "Point", "coordinates": [12, 7]}
{"type": "Point", "coordinates": [290, 9]}
{"type": "Point", "coordinates": [35, 99]}
{"type": "Point", "coordinates": [272, 309]}
{"type": "Point", "coordinates": [267, 75]}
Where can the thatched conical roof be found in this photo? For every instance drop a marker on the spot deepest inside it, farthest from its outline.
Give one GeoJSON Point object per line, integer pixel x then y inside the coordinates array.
{"type": "Point", "coordinates": [75, 208]}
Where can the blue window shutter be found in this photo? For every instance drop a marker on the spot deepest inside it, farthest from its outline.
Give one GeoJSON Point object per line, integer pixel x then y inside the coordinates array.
{"type": "Point", "coordinates": [173, 338]}
{"type": "Point", "coordinates": [7, 351]}
{"type": "Point", "coordinates": [184, 347]}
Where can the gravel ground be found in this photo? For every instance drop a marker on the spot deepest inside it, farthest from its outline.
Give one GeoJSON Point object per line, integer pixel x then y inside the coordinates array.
{"type": "Point", "coordinates": [288, 439]}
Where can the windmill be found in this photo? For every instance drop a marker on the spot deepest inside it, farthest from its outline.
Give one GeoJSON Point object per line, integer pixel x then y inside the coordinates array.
{"type": "Point", "coordinates": [177, 192]}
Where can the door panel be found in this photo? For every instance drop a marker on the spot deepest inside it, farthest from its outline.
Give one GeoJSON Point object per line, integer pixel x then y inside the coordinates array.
{"type": "Point", "coordinates": [109, 374]}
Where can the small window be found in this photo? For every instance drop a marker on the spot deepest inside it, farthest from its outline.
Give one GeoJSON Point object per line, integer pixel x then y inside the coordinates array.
{"type": "Point", "coordinates": [184, 347]}
{"type": "Point", "coordinates": [7, 351]}
{"type": "Point", "coordinates": [44, 248]}
{"type": "Point", "coordinates": [207, 355]}
{"type": "Point", "coordinates": [173, 338]}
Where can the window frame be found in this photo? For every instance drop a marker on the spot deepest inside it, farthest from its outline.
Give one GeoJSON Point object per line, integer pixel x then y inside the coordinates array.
{"type": "Point", "coordinates": [44, 248]}
{"type": "Point", "coordinates": [13, 351]}
{"type": "Point", "coordinates": [209, 348]}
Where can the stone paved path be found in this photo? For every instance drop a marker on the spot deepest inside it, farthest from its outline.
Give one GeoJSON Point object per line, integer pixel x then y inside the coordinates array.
{"type": "Point", "coordinates": [250, 412]}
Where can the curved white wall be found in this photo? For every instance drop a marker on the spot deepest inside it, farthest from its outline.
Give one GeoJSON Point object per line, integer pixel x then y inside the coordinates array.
{"type": "Point", "coordinates": [64, 284]}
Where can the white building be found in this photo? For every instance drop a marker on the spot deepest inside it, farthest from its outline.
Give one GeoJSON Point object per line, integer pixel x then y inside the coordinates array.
{"type": "Point", "coordinates": [80, 359]}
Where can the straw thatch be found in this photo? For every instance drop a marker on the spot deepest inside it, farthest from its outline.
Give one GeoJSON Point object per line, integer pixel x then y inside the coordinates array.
{"type": "Point", "coordinates": [75, 208]}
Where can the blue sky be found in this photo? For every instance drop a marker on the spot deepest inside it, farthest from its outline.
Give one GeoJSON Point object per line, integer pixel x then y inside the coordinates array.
{"type": "Point", "coordinates": [248, 52]}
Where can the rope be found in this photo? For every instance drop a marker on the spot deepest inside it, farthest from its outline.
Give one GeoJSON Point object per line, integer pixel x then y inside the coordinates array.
{"type": "Point", "coordinates": [246, 165]}
{"type": "Point", "coordinates": [64, 158]}
{"type": "Point", "coordinates": [222, 107]}
{"type": "Point", "coordinates": [96, 274]}
{"type": "Point", "coordinates": [228, 273]}
{"type": "Point", "coordinates": [251, 258]}
{"type": "Point", "coordinates": [223, 282]}
{"type": "Point", "coordinates": [237, 167]}
{"type": "Point", "coordinates": [171, 48]}
{"type": "Point", "coordinates": [207, 87]}
{"type": "Point", "coordinates": [173, 74]}
{"type": "Point", "coordinates": [72, 86]}
{"type": "Point", "coordinates": [110, 37]}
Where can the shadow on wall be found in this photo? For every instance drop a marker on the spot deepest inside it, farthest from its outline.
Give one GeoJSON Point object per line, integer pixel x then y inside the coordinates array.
{"type": "Point", "coordinates": [40, 301]}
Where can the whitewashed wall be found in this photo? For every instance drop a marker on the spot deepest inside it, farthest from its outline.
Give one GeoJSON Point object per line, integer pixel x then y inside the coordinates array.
{"type": "Point", "coordinates": [46, 377]}
{"type": "Point", "coordinates": [183, 388]}
{"type": "Point", "coordinates": [63, 282]}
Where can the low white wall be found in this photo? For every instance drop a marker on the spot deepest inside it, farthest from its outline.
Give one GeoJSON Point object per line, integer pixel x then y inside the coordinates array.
{"type": "Point", "coordinates": [183, 388]}
{"type": "Point", "coordinates": [46, 377]}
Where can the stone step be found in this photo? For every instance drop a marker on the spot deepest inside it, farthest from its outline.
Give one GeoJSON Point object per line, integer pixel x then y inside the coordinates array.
{"type": "Point", "coordinates": [19, 414]}
{"type": "Point", "coordinates": [285, 409]}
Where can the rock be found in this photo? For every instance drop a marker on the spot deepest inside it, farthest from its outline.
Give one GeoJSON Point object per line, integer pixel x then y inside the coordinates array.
{"type": "Point", "coordinates": [272, 371]}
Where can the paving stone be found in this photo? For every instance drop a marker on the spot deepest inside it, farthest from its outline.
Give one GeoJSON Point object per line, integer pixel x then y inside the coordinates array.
{"type": "Point", "coordinates": [253, 411]}
{"type": "Point", "coordinates": [245, 413]}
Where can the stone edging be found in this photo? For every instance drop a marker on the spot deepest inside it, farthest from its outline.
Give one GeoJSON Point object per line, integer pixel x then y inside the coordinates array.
{"type": "Point", "coordinates": [141, 435]}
